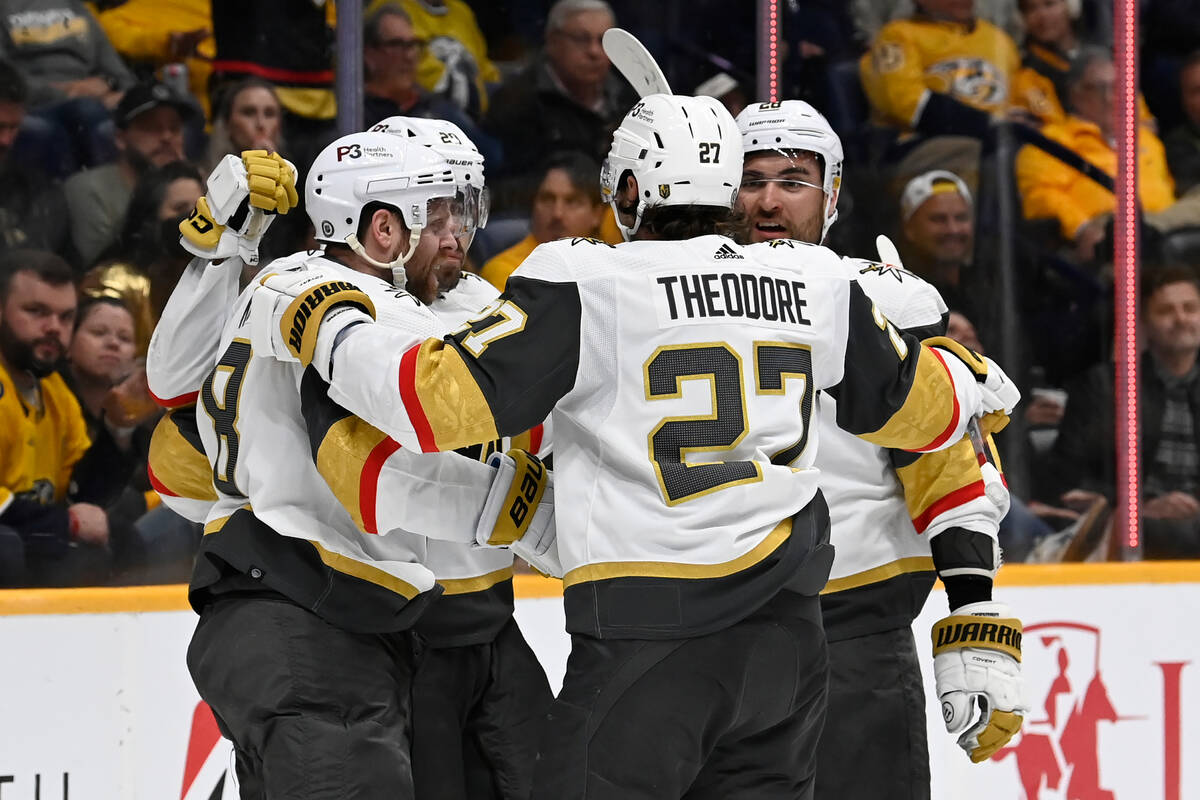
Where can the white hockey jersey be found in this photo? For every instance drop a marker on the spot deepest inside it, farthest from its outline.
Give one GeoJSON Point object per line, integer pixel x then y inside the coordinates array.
{"type": "Point", "coordinates": [477, 597]}
{"type": "Point", "coordinates": [286, 465]}
{"type": "Point", "coordinates": [681, 375]}
{"type": "Point", "coordinates": [886, 506]}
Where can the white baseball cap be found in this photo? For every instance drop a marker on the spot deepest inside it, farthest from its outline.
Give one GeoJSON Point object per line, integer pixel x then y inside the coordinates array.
{"type": "Point", "coordinates": [926, 185]}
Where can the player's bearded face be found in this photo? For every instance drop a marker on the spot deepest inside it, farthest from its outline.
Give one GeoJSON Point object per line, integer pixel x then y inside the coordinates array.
{"type": "Point", "coordinates": [781, 196]}
{"type": "Point", "coordinates": [437, 265]}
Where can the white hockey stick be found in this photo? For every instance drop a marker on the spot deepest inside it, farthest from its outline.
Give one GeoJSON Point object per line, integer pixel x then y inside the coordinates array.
{"type": "Point", "coordinates": [993, 485]}
{"type": "Point", "coordinates": [633, 60]}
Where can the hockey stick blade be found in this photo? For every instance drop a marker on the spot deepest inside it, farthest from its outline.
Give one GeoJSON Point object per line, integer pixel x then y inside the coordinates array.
{"type": "Point", "coordinates": [633, 60]}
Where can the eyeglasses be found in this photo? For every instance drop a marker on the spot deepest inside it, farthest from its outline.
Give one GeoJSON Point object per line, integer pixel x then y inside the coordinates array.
{"type": "Point", "coordinates": [409, 45]}
{"type": "Point", "coordinates": [789, 185]}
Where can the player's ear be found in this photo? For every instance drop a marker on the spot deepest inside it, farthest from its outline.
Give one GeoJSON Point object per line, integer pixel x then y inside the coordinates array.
{"type": "Point", "coordinates": [628, 192]}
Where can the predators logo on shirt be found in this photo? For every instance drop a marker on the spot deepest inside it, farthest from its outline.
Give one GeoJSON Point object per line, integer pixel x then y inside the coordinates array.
{"type": "Point", "coordinates": [971, 80]}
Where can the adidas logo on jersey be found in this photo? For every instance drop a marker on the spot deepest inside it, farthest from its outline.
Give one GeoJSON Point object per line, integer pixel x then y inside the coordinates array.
{"type": "Point", "coordinates": [725, 251]}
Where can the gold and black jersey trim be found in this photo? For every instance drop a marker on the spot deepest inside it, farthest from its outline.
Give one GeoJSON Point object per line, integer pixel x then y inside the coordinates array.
{"type": "Point", "coordinates": [887, 597]}
{"type": "Point", "coordinates": [650, 600]}
{"type": "Point", "coordinates": [470, 611]}
{"type": "Point", "coordinates": [894, 393]}
{"type": "Point", "coordinates": [240, 553]}
{"type": "Point", "coordinates": [453, 391]}
{"type": "Point", "coordinates": [177, 465]}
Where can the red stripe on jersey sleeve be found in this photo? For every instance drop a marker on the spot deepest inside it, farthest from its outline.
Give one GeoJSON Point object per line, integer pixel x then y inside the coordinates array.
{"type": "Point", "coordinates": [175, 402]}
{"type": "Point", "coordinates": [412, 403]}
{"type": "Point", "coordinates": [944, 435]}
{"type": "Point", "coordinates": [536, 433]}
{"type": "Point", "coordinates": [368, 482]}
{"type": "Point", "coordinates": [156, 484]}
{"type": "Point", "coordinates": [953, 500]}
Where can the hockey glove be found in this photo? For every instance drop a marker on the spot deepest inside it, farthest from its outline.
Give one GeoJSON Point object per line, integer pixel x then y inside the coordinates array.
{"type": "Point", "coordinates": [519, 511]}
{"type": "Point", "coordinates": [977, 664]}
{"type": "Point", "coordinates": [998, 394]}
{"type": "Point", "coordinates": [297, 315]}
{"type": "Point", "coordinates": [244, 195]}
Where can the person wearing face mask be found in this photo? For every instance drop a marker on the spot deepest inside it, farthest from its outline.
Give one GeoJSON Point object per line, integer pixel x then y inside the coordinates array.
{"type": "Point", "coordinates": [48, 536]}
{"type": "Point", "coordinates": [150, 121]}
{"type": "Point", "coordinates": [143, 265]}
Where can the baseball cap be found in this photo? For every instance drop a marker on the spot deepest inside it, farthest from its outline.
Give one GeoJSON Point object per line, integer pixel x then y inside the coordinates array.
{"type": "Point", "coordinates": [926, 185]}
{"type": "Point", "coordinates": [147, 96]}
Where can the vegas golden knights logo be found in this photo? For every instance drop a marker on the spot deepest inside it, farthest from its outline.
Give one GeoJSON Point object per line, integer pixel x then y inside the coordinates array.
{"type": "Point", "coordinates": [664, 190]}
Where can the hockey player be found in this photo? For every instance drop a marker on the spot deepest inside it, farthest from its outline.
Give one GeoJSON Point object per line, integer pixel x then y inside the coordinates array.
{"type": "Point", "coordinates": [681, 369]}
{"type": "Point", "coordinates": [896, 517]}
{"type": "Point", "coordinates": [304, 648]}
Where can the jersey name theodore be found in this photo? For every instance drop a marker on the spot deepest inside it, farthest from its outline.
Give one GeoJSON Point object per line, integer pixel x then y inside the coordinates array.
{"type": "Point", "coordinates": [704, 296]}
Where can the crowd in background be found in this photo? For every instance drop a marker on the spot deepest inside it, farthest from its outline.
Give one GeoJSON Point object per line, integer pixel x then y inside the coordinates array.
{"type": "Point", "coordinates": [979, 135]}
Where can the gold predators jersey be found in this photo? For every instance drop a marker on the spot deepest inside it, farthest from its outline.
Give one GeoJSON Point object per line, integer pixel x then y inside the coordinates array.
{"type": "Point", "coordinates": [39, 449]}
{"type": "Point", "coordinates": [682, 378]}
{"type": "Point", "coordinates": [974, 64]}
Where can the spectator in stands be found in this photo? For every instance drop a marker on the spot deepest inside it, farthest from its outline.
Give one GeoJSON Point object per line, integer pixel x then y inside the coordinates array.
{"type": "Point", "coordinates": [567, 203]}
{"type": "Point", "coordinates": [942, 74]}
{"type": "Point", "coordinates": [290, 43]}
{"type": "Point", "coordinates": [144, 264]}
{"type": "Point", "coordinates": [110, 386]}
{"type": "Point", "coordinates": [1049, 188]}
{"type": "Point", "coordinates": [1052, 42]}
{"type": "Point", "coordinates": [153, 33]}
{"type": "Point", "coordinates": [1183, 142]}
{"type": "Point", "coordinates": [1169, 414]}
{"type": "Point", "coordinates": [46, 538]}
{"type": "Point", "coordinates": [73, 73]}
{"type": "Point", "coordinates": [248, 117]}
{"type": "Point", "coordinates": [150, 133]}
{"type": "Point", "coordinates": [567, 99]}
{"type": "Point", "coordinates": [937, 238]}
{"type": "Point", "coordinates": [33, 211]}
{"type": "Point", "coordinates": [454, 63]}
{"type": "Point", "coordinates": [391, 52]}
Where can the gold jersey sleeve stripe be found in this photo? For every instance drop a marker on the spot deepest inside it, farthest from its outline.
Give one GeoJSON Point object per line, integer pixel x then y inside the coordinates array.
{"type": "Point", "coordinates": [936, 475]}
{"type": "Point", "coordinates": [450, 408]}
{"type": "Point", "coordinates": [667, 569]}
{"type": "Point", "coordinates": [342, 458]}
{"type": "Point", "coordinates": [929, 413]}
{"type": "Point", "coordinates": [176, 467]}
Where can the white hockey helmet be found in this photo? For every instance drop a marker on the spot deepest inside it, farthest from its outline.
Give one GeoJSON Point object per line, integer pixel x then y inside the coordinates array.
{"type": "Point", "coordinates": [456, 147]}
{"type": "Point", "coordinates": [681, 150]}
{"type": "Point", "coordinates": [796, 125]}
{"type": "Point", "coordinates": [362, 168]}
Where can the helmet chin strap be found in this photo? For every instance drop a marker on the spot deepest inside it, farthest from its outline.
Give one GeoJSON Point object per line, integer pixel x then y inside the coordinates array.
{"type": "Point", "coordinates": [627, 233]}
{"type": "Point", "coordinates": [399, 278]}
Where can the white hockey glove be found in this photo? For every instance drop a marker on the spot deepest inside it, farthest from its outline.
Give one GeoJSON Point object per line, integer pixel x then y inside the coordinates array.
{"type": "Point", "coordinates": [977, 664]}
{"type": "Point", "coordinates": [244, 195]}
{"type": "Point", "coordinates": [998, 395]}
{"type": "Point", "coordinates": [519, 511]}
{"type": "Point", "coordinates": [297, 315]}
